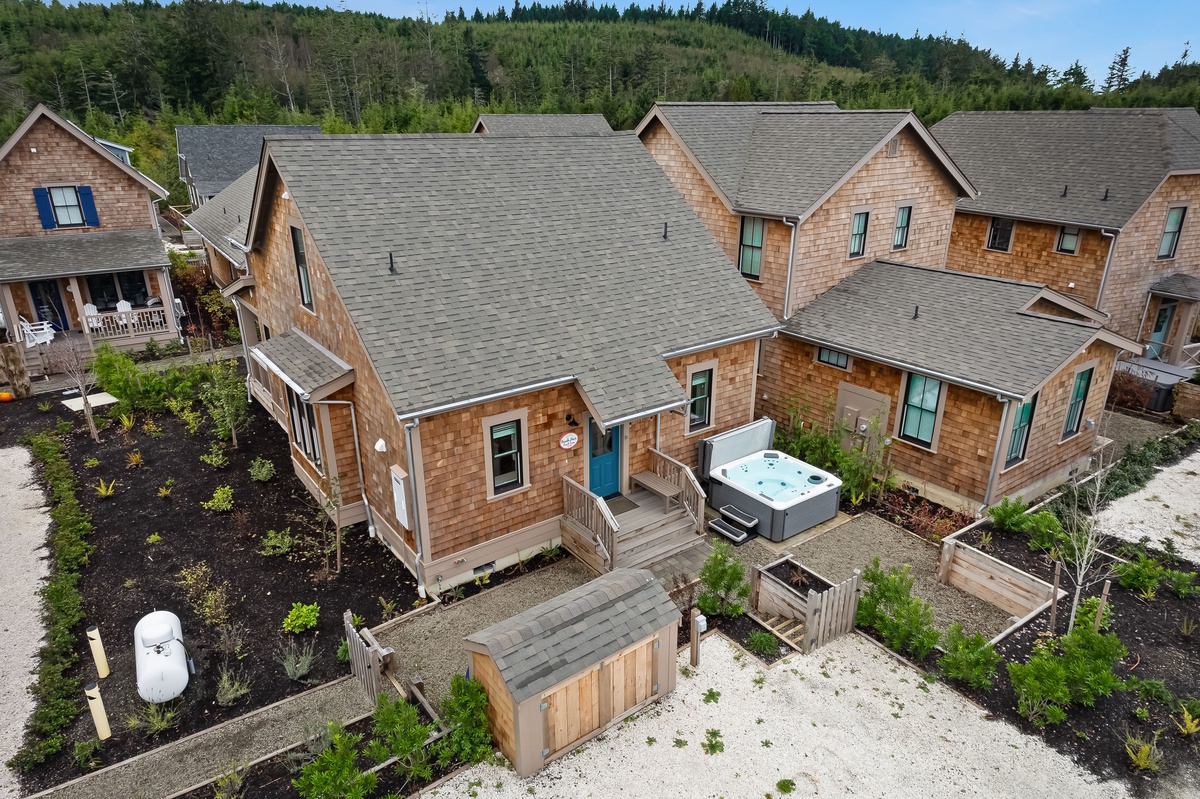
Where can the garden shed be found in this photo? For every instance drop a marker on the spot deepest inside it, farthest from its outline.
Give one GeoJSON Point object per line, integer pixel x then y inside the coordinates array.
{"type": "Point", "coordinates": [563, 671]}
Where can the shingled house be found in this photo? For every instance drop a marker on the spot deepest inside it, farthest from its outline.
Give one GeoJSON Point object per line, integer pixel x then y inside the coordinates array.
{"type": "Point", "coordinates": [213, 156]}
{"type": "Point", "coordinates": [80, 249]}
{"type": "Point", "coordinates": [474, 364]}
{"type": "Point", "coordinates": [542, 125]}
{"type": "Point", "coordinates": [1095, 204]}
{"type": "Point", "coordinates": [940, 361]}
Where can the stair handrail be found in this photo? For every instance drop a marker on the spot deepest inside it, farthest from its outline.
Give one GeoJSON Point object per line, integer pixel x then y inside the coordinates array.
{"type": "Point", "coordinates": [691, 495]}
{"type": "Point", "coordinates": [593, 514]}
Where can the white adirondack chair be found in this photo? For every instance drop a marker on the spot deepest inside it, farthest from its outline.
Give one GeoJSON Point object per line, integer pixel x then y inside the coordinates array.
{"type": "Point", "coordinates": [35, 333]}
{"type": "Point", "coordinates": [124, 313]}
{"type": "Point", "coordinates": [91, 315]}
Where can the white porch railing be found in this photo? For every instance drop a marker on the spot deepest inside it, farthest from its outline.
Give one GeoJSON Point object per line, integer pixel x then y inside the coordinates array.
{"type": "Point", "coordinates": [128, 324]}
{"type": "Point", "coordinates": [691, 495]}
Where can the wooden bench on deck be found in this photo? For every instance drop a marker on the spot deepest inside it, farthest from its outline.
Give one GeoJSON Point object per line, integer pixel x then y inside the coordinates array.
{"type": "Point", "coordinates": [660, 486]}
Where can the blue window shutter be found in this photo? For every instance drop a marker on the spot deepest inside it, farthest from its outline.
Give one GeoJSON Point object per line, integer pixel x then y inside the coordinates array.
{"type": "Point", "coordinates": [89, 206]}
{"type": "Point", "coordinates": [45, 211]}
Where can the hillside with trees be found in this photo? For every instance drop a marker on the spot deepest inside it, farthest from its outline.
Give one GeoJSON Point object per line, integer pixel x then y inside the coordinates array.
{"type": "Point", "coordinates": [132, 71]}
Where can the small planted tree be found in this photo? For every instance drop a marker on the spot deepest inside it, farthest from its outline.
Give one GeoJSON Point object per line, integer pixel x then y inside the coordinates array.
{"type": "Point", "coordinates": [70, 356]}
{"type": "Point", "coordinates": [225, 399]}
{"type": "Point", "coordinates": [723, 583]}
{"type": "Point", "coordinates": [1082, 536]}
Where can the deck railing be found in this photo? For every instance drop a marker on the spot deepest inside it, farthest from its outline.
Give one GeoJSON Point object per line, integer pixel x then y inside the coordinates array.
{"type": "Point", "coordinates": [691, 495]}
{"type": "Point", "coordinates": [589, 510]}
{"type": "Point", "coordinates": [128, 324]}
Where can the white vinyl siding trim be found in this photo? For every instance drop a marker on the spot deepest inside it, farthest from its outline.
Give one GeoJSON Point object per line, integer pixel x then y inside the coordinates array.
{"type": "Point", "coordinates": [304, 428]}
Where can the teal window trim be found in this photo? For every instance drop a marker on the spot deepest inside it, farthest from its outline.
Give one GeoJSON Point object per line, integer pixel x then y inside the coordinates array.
{"type": "Point", "coordinates": [507, 458]}
{"type": "Point", "coordinates": [700, 406]}
{"type": "Point", "coordinates": [858, 233]}
{"type": "Point", "coordinates": [1018, 441]}
{"type": "Point", "coordinates": [922, 399]}
{"type": "Point", "coordinates": [754, 230]}
{"type": "Point", "coordinates": [903, 223]}
{"type": "Point", "coordinates": [1079, 394]}
{"type": "Point", "coordinates": [835, 358]}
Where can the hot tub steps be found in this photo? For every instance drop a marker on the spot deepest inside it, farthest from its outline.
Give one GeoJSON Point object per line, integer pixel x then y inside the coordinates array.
{"type": "Point", "coordinates": [736, 524]}
{"type": "Point", "coordinates": [727, 530]}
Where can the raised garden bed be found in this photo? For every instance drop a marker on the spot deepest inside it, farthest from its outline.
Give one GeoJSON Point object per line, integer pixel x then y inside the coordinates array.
{"type": "Point", "coordinates": [800, 605]}
{"type": "Point", "coordinates": [905, 508]}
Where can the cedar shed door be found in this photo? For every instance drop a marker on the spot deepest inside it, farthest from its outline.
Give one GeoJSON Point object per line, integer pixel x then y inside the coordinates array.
{"type": "Point", "coordinates": [630, 677]}
{"type": "Point", "coordinates": [572, 711]}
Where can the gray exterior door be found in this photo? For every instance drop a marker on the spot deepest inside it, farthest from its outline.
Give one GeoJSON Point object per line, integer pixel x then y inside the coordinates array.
{"type": "Point", "coordinates": [861, 408]}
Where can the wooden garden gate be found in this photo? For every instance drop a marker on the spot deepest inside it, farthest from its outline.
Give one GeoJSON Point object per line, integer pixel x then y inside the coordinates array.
{"type": "Point", "coordinates": [369, 661]}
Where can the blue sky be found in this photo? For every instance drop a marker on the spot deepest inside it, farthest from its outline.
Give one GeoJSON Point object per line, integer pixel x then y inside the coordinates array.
{"type": "Point", "coordinates": [1053, 32]}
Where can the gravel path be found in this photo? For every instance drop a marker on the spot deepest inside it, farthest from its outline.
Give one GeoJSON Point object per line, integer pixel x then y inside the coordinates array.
{"type": "Point", "coordinates": [24, 520]}
{"type": "Point", "coordinates": [836, 554]}
{"type": "Point", "coordinates": [1168, 507]}
{"type": "Point", "coordinates": [1124, 429]}
{"type": "Point", "coordinates": [845, 721]}
{"type": "Point", "coordinates": [432, 644]}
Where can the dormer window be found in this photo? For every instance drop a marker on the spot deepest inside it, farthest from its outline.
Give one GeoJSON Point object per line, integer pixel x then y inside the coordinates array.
{"type": "Point", "coordinates": [1000, 234]}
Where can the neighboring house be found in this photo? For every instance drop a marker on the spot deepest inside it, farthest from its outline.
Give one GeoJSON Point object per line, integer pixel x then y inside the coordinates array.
{"type": "Point", "coordinates": [800, 195]}
{"type": "Point", "coordinates": [1096, 204]}
{"type": "Point", "coordinates": [80, 249]}
{"type": "Point", "coordinates": [542, 124]}
{"type": "Point", "coordinates": [490, 335]}
{"type": "Point", "coordinates": [221, 223]}
{"type": "Point", "coordinates": [986, 387]}
{"type": "Point", "coordinates": [213, 156]}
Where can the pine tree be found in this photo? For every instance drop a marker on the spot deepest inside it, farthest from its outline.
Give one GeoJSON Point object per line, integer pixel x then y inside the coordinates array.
{"type": "Point", "coordinates": [1076, 75]}
{"type": "Point", "coordinates": [1119, 74]}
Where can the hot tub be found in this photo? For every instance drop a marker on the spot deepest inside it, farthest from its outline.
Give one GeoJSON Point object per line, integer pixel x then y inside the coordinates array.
{"type": "Point", "coordinates": [786, 495]}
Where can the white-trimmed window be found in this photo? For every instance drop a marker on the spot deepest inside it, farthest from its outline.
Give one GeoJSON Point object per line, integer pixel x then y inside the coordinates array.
{"type": "Point", "coordinates": [919, 410]}
{"type": "Point", "coordinates": [701, 378]}
{"type": "Point", "coordinates": [903, 222]}
{"type": "Point", "coordinates": [506, 445]}
{"type": "Point", "coordinates": [1000, 234]}
{"type": "Point", "coordinates": [68, 212]}
{"type": "Point", "coordinates": [304, 427]}
{"type": "Point", "coordinates": [1018, 442]}
{"type": "Point", "coordinates": [754, 231]}
{"type": "Point", "coordinates": [858, 233]}
{"type": "Point", "coordinates": [835, 358]}
{"type": "Point", "coordinates": [1170, 236]}
{"type": "Point", "coordinates": [1068, 240]}
{"type": "Point", "coordinates": [306, 298]}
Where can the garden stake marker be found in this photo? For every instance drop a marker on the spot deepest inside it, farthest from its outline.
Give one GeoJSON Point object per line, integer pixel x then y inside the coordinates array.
{"type": "Point", "coordinates": [96, 705]}
{"type": "Point", "coordinates": [93, 636]}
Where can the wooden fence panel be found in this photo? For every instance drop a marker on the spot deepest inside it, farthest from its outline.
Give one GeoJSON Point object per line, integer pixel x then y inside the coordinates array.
{"type": "Point", "coordinates": [826, 614]}
{"type": "Point", "coordinates": [369, 662]}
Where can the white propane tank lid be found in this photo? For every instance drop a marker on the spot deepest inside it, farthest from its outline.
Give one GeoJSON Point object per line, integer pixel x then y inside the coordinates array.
{"type": "Point", "coordinates": [156, 633]}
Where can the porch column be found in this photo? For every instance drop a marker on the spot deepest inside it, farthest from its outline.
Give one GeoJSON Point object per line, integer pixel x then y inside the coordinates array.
{"type": "Point", "coordinates": [73, 284]}
{"type": "Point", "coordinates": [1183, 332]}
{"type": "Point", "coordinates": [9, 308]}
{"type": "Point", "coordinates": [169, 303]}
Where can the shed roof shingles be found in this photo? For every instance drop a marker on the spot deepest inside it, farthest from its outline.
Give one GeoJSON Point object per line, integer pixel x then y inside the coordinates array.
{"type": "Point", "coordinates": [63, 254]}
{"type": "Point", "coordinates": [305, 364]}
{"type": "Point", "coordinates": [556, 640]}
{"type": "Point", "coordinates": [520, 261]}
{"type": "Point", "coordinates": [969, 328]}
{"type": "Point", "coordinates": [1093, 167]}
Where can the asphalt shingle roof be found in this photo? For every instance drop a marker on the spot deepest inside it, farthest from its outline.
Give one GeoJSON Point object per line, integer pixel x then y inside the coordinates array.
{"type": "Point", "coordinates": [63, 254]}
{"type": "Point", "coordinates": [545, 124]}
{"type": "Point", "coordinates": [227, 216]}
{"type": "Point", "coordinates": [777, 158]}
{"type": "Point", "coordinates": [1184, 286]}
{"type": "Point", "coordinates": [305, 364]}
{"type": "Point", "coordinates": [518, 261]}
{"type": "Point", "coordinates": [1022, 162]}
{"type": "Point", "coordinates": [217, 155]}
{"type": "Point", "coordinates": [551, 642]}
{"type": "Point", "coordinates": [969, 328]}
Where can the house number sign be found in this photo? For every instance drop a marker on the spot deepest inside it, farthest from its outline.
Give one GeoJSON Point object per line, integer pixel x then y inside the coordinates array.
{"type": "Point", "coordinates": [568, 440]}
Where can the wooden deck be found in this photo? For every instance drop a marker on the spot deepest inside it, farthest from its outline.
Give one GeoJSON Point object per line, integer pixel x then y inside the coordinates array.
{"type": "Point", "coordinates": [648, 533]}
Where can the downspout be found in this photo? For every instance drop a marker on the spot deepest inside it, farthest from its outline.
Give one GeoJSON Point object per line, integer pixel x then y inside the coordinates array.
{"type": "Point", "coordinates": [170, 303]}
{"type": "Point", "coordinates": [416, 515]}
{"type": "Point", "coordinates": [787, 289]}
{"type": "Point", "coordinates": [987, 496]}
{"type": "Point", "coordinates": [1112, 245]}
{"type": "Point", "coordinates": [237, 306]}
{"type": "Point", "coordinates": [362, 484]}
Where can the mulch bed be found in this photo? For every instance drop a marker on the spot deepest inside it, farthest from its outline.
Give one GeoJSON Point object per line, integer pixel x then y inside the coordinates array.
{"type": "Point", "coordinates": [737, 629]}
{"type": "Point", "coordinates": [914, 513]}
{"type": "Point", "coordinates": [1157, 650]}
{"type": "Point", "coordinates": [128, 577]}
{"type": "Point", "coordinates": [798, 578]}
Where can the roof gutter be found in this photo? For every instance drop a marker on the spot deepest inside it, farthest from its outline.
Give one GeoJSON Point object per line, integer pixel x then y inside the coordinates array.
{"type": "Point", "coordinates": [1112, 245]}
{"type": "Point", "coordinates": [722, 342]}
{"type": "Point", "coordinates": [511, 392]}
{"type": "Point", "coordinates": [987, 495]}
{"type": "Point", "coordinates": [787, 289]}
{"type": "Point", "coordinates": [908, 367]}
{"type": "Point", "coordinates": [643, 414]}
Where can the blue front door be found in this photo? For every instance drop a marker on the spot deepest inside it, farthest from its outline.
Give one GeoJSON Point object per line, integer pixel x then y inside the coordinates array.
{"type": "Point", "coordinates": [604, 462]}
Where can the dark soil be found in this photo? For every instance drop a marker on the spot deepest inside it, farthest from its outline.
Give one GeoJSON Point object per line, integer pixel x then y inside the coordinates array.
{"type": "Point", "coordinates": [128, 577]}
{"type": "Point", "coordinates": [736, 629]}
{"type": "Point", "coordinates": [797, 577]}
{"type": "Point", "coordinates": [1157, 651]}
{"type": "Point", "coordinates": [914, 513]}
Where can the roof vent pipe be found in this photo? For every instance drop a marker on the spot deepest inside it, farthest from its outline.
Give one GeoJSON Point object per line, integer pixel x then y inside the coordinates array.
{"type": "Point", "coordinates": [391, 264]}
{"type": "Point", "coordinates": [916, 311]}
{"type": "Point", "coordinates": [1105, 197]}
{"type": "Point", "coordinates": [664, 231]}
{"type": "Point", "coordinates": [1064, 194]}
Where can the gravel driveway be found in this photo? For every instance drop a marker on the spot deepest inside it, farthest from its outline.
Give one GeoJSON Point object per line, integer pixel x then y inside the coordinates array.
{"type": "Point", "coordinates": [845, 721]}
{"type": "Point", "coordinates": [1168, 507]}
{"type": "Point", "coordinates": [24, 520]}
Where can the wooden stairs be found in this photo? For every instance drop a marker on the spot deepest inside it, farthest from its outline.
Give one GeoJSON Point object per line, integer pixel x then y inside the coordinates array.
{"type": "Point", "coordinates": [790, 630]}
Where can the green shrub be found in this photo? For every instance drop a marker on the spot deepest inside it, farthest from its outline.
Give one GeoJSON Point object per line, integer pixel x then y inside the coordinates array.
{"type": "Point", "coordinates": [1141, 574]}
{"type": "Point", "coordinates": [1045, 531]}
{"type": "Point", "coordinates": [208, 598]}
{"type": "Point", "coordinates": [343, 651]}
{"type": "Point", "coordinates": [216, 456]}
{"type": "Point", "coordinates": [1010, 515]}
{"type": "Point", "coordinates": [1150, 690]}
{"type": "Point", "coordinates": [334, 774]}
{"type": "Point", "coordinates": [969, 658]}
{"type": "Point", "coordinates": [277, 542]}
{"type": "Point", "coordinates": [1085, 614]}
{"type": "Point", "coordinates": [723, 583]}
{"type": "Point", "coordinates": [87, 754]}
{"type": "Point", "coordinates": [221, 502]}
{"type": "Point", "coordinates": [192, 419]}
{"type": "Point", "coordinates": [302, 617]}
{"type": "Point", "coordinates": [1182, 583]}
{"type": "Point", "coordinates": [399, 734]}
{"type": "Point", "coordinates": [1074, 669]}
{"type": "Point", "coordinates": [888, 607]}
{"type": "Point", "coordinates": [261, 470]}
{"type": "Point", "coordinates": [464, 712]}
{"type": "Point", "coordinates": [762, 643]}
{"type": "Point", "coordinates": [57, 695]}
